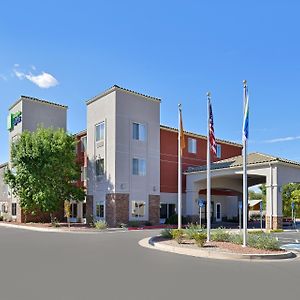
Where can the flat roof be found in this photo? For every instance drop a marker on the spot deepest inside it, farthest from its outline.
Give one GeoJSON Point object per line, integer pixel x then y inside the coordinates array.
{"type": "Point", "coordinates": [118, 88]}
{"type": "Point", "coordinates": [37, 100]}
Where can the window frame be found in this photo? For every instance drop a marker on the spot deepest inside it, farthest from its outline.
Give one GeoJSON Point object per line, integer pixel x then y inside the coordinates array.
{"type": "Point", "coordinates": [219, 150]}
{"type": "Point", "coordinates": [98, 205]}
{"type": "Point", "coordinates": [192, 143]}
{"type": "Point", "coordinates": [13, 209]}
{"type": "Point", "coordinates": [141, 134]}
{"type": "Point", "coordinates": [141, 166]}
{"type": "Point", "coordinates": [83, 143]}
{"type": "Point", "coordinates": [103, 167]}
{"type": "Point", "coordinates": [101, 136]}
{"type": "Point", "coordinates": [137, 215]}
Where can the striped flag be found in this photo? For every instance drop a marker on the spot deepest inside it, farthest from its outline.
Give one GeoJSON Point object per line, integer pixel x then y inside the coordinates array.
{"type": "Point", "coordinates": [212, 139]}
{"type": "Point", "coordinates": [246, 117]}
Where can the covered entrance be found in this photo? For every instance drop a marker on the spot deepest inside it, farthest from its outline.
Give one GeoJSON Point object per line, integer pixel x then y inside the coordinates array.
{"type": "Point", "coordinates": [227, 185]}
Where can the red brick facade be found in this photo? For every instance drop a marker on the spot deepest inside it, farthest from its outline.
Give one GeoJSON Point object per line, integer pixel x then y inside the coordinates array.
{"type": "Point", "coordinates": [117, 209]}
{"type": "Point", "coordinates": [154, 209]}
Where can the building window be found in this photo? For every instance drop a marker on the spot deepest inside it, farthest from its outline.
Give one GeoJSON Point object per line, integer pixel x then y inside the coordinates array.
{"type": "Point", "coordinates": [100, 167]}
{"type": "Point", "coordinates": [167, 210]}
{"type": "Point", "coordinates": [139, 166]}
{"type": "Point", "coordinates": [83, 173]}
{"type": "Point", "coordinates": [100, 130]}
{"type": "Point", "coordinates": [219, 151]}
{"type": "Point", "coordinates": [84, 210]}
{"type": "Point", "coordinates": [83, 144]}
{"type": "Point", "coordinates": [138, 131]}
{"type": "Point", "coordinates": [138, 209]}
{"type": "Point", "coordinates": [100, 209]}
{"type": "Point", "coordinates": [192, 145]}
{"type": "Point", "coordinates": [14, 209]}
{"type": "Point", "coordinates": [73, 210]}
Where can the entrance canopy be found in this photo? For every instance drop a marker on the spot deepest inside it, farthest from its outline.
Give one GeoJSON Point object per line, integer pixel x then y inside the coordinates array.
{"type": "Point", "coordinates": [227, 174]}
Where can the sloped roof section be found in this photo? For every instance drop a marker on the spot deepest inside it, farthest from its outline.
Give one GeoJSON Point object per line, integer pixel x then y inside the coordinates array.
{"type": "Point", "coordinates": [117, 87]}
{"type": "Point", "coordinates": [237, 161]}
{"type": "Point", "coordinates": [38, 100]}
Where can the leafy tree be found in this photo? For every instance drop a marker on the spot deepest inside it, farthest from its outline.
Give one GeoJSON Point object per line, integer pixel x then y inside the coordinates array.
{"type": "Point", "coordinates": [254, 195]}
{"type": "Point", "coordinates": [44, 170]}
{"type": "Point", "coordinates": [290, 192]}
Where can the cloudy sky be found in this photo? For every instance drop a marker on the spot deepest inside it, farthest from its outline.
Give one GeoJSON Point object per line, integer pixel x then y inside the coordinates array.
{"type": "Point", "coordinates": [69, 51]}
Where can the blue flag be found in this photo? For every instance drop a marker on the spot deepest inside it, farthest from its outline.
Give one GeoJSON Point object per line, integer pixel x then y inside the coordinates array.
{"type": "Point", "coordinates": [246, 119]}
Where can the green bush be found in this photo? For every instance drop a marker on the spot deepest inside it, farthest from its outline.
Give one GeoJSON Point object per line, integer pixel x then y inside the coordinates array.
{"type": "Point", "coordinates": [133, 224]}
{"type": "Point", "coordinates": [100, 225]}
{"type": "Point", "coordinates": [166, 233]}
{"type": "Point", "coordinates": [178, 235]}
{"type": "Point", "coordinates": [148, 223]}
{"type": "Point", "coordinates": [263, 241]}
{"type": "Point", "coordinates": [256, 232]}
{"type": "Point", "coordinates": [1, 218]}
{"type": "Point", "coordinates": [220, 235]}
{"type": "Point", "coordinates": [191, 230]}
{"type": "Point", "coordinates": [173, 220]}
{"type": "Point", "coordinates": [236, 239]}
{"type": "Point", "coordinates": [200, 238]}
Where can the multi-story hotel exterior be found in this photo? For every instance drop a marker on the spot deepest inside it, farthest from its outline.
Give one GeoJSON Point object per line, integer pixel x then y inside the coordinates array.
{"type": "Point", "coordinates": [128, 160]}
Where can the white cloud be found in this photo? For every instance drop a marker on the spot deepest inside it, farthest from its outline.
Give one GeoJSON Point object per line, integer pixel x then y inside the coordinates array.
{"type": "Point", "coordinates": [283, 139]}
{"type": "Point", "coordinates": [43, 80]}
{"type": "Point", "coordinates": [16, 65]}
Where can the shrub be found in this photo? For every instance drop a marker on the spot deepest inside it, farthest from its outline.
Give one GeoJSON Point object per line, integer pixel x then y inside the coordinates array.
{"type": "Point", "coordinates": [220, 235]}
{"type": "Point", "coordinates": [148, 223]}
{"type": "Point", "coordinates": [173, 220]}
{"type": "Point", "coordinates": [133, 224]}
{"type": "Point", "coordinates": [166, 233]}
{"type": "Point", "coordinates": [200, 238]}
{"type": "Point", "coordinates": [263, 241]}
{"type": "Point", "coordinates": [1, 218]}
{"type": "Point", "coordinates": [191, 230]}
{"type": "Point", "coordinates": [236, 239]}
{"type": "Point", "coordinates": [100, 225]}
{"type": "Point", "coordinates": [178, 235]}
{"type": "Point", "coordinates": [256, 232]}
{"type": "Point", "coordinates": [55, 223]}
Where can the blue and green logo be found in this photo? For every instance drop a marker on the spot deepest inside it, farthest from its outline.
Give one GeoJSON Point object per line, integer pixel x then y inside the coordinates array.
{"type": "Point", "coordinates": [13, 120]}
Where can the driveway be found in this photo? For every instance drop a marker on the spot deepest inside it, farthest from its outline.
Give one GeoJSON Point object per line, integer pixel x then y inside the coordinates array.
{"type": "Point", "coordinates": [112, 266]}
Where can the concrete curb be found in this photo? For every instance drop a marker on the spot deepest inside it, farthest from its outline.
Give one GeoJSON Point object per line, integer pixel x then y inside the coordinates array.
{"type": "Point", "coordinates": [57, 230]}
{"type": "Point", "coordinates": [204, 253]}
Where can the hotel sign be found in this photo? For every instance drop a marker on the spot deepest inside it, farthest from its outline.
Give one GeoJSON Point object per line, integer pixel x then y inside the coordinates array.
{"type": "Point", "coordinates": [13, 120]}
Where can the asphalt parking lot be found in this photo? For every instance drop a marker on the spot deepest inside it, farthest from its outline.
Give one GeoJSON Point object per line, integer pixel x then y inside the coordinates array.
{"type": "Point", "coordinates": [290, 237]}
{"type": "Point", "coordinates": [112, 266]}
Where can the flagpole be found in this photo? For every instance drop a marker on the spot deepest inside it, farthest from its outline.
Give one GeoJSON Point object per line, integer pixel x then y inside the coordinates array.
{"type": "Point", "coordinates": [245, 183]}
{"type": "Point", "coordinates": [179, 168]}
{"type": "Point", "coordinates": [208, 188]}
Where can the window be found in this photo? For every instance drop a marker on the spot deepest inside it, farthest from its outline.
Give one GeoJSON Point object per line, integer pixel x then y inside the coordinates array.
{"type": "Point", "coordinates": [138, 209]}
{"type": "Point", "coordinates": [192, 145]}
{"type": "Point", "coordinates": [100, 130]}
{"type": "Point", "coordinates": [219, 151]}
{"type": "Point", "coordinates": [138, 131]}
{"type": "Point", "coordinates": [167, 210]}
{"type": "Point", "coordinates": [84, 210]}
{"type": "Point", "coordinates": [139, 166]}
{"type": "Point", "coordinates": [14, 209]}
{"type": "Point", "coordinates": [83, 143]}
{"type": "Point", "coordinates": [83, 173]}
{"type": "Point", "coordinates": [99, 166]}
{"type": "Point", "coordinates": [100, 209]}
{"type": "Point", "coordinates": [73, 210]}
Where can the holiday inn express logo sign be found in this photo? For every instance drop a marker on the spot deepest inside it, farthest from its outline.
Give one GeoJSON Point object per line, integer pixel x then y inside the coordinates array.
{"type": "Point", "coordinates": [13, 120]}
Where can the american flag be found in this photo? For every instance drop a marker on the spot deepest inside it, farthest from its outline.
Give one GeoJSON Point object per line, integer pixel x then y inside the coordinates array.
{"type": "Point", "coordinates": [212, 139]}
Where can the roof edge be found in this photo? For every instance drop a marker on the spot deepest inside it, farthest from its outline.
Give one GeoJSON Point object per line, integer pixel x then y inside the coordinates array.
{"type": "Point", "coordinates": [173, 129]}
{"type": "Point", "coordinates": [118, 88]}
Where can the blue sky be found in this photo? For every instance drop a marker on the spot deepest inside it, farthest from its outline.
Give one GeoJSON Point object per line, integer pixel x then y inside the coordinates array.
{"type": "Point", "coordinates": [69, 51]}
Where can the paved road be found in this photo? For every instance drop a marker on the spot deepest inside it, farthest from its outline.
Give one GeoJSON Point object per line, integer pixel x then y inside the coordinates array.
{"type": "Point", "coordinates": [288, 237]}
{"type": "Point", "coordinates": [111, 266]}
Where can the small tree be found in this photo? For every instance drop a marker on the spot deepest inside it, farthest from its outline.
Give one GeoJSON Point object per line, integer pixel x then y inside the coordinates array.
{"type": "Point", "coordinates": [288, 194]}
{"type": "Point", "coordinates": [44, 170]}
{"type": "Point", "coordinates": [67, 209]}
{"type": "Point", "coordinates": [296, 200]}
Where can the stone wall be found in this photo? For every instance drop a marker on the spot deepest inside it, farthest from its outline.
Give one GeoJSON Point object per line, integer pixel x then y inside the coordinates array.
{"type": "Point", "coordinates": [117, 209]}
{"type": "Point", "coordinates": [154, 209]}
